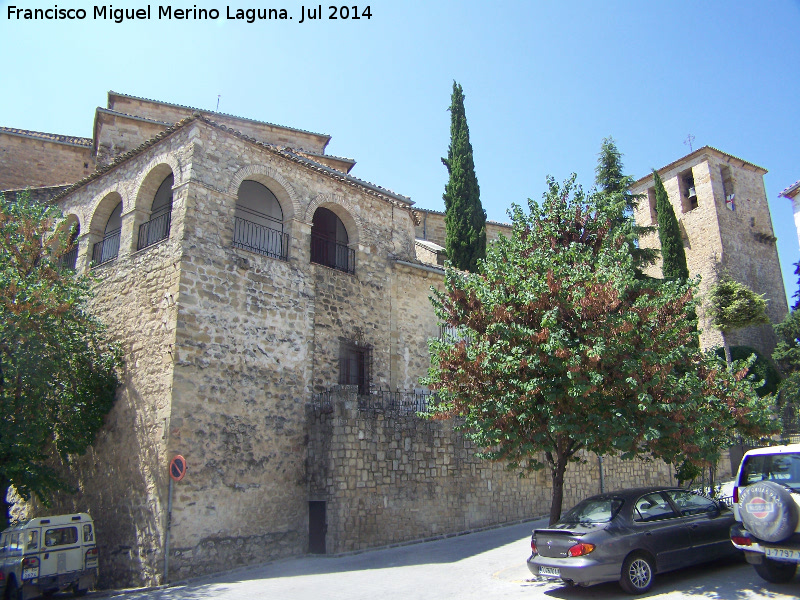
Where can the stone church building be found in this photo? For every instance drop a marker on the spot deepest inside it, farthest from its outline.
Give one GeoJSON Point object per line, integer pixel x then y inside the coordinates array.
{"type": "Point", "coordinates": [274, 315]}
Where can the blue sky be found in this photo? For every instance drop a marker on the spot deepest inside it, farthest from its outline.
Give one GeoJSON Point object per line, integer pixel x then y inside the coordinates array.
{"type": "Point", "coordinates": [545, 82]}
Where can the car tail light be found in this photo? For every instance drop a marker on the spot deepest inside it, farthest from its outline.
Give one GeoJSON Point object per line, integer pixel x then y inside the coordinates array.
{"type": "Point", "coordinates": [2, 577]}
{"type": "Point", "coordinates": [31, 562]}
{"type": "Point", "coordinates": [736, 494]}
{"type": "Point", "coordinates": [533, 547]}
{"type": "Point", "coordinates": [581, 549]}
{"type": "Point", "coordinates": [91, 554]}
{"type": "Point", "coordinates": [741, 541]}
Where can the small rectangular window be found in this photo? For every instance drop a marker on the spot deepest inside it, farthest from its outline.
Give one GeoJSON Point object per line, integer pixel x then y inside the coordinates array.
{"type": "Point", "coordinates": [33, 540]}
{"type": "Point", "coordinates": [354, 366]}
{"type": "Point", "coordinates": [688, 191]}
{"type": "Point", "coordinates": [61, 536]}
{"type": "Point", "coordinates": [651, 203]}
{"type": "Point", "coordinates": [88, 535]}
{"type": "Point", "coordinates": [727, 187]}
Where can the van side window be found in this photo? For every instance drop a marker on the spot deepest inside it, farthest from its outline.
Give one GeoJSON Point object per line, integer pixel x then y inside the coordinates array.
{"type": "Point", "coordinates": [14, 546]}
{"type": "Point", "coordinates": [60, 536]}
{"type": "Point", "coordinates": [33, 540]}
{"type": "Point", "coordinates": [88, 536]}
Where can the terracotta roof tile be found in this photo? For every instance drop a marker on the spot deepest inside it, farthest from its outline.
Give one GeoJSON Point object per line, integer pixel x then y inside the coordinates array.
{"type": "Point", "coordinates": [49, 137]}
{"type": "Point", "coordinates": [211, 112]}
{"type": "Point", "coordinates": [287, 153]}
{"type": "Point", "coordinates": [791, 191]}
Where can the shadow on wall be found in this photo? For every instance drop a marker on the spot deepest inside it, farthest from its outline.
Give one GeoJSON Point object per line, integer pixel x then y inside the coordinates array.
{"type": "Point", "coordinates": [118, 483]}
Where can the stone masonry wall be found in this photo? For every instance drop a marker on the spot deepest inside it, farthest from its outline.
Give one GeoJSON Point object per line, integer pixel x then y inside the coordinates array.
{"type": "Point", "coordinates": [264, 132]}
{"type": "Point", "coordinates": [718, 239]}
{"type": "Point", "coordinates": [29, 162]}
{"type": "Point", "coordinates": [432, 227]}
{"type": "Point", "coordinates": [388, 477]}
{"type": "Point", "coordinates": [255, 336]}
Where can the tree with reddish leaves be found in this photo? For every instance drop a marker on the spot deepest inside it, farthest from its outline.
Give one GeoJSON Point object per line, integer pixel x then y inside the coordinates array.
{"type": "Point", "coordinates": [556, 347]}
{"type": "Point", "coordinates": [58, 370]}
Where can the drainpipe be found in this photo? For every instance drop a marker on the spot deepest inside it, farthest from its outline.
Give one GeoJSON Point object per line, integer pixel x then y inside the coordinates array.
{"type": "Point", "coordinates": [166, 535]}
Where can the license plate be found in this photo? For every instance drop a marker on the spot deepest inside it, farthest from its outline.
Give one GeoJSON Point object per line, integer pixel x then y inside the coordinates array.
{"type": "Point", "coordinates": [550, 571]}
{"type": "Point", "coordinates": [782, 553]}
{"type": "Point", "coordinates": [30, 573]}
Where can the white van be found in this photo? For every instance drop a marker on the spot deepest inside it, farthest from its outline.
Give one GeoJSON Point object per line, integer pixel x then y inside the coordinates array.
{"type": "Point", "coordinates": [766, 505]}
{"type": "Point", "coordinates": [47, 555]}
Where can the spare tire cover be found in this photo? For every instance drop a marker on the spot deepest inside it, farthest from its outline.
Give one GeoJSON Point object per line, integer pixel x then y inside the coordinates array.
{"type": "Point", "coordinates": [768, 511]}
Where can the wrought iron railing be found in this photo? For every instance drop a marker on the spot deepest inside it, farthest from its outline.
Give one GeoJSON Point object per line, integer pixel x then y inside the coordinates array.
{"type": "Point", "coordinates": [260, 238]}
{"type": "Point", "coordinates": [69, 259]}
{"type": "Point", "coordinates": [106, 249]}
{"type": "Point", "coordinates": [405, 402]}
{"type": "Point", "coordinates": [332, 254]}
{"type": "Point", "coordinates": [154, 230]}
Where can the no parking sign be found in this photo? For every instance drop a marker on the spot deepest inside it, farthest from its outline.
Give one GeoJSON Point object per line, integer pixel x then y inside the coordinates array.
{"type": "Point", "coordinates": [177, 468]}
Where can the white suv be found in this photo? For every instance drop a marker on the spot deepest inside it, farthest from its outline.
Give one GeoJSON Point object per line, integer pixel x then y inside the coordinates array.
{"type": "Point", "coordinates": [766, 505]}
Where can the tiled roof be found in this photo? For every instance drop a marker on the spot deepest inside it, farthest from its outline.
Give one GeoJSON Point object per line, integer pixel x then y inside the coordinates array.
{"type": "Point", "coordinates": [691, 155]}
{"type": "Point", "coordinates": [437, 212]}
{"type": "Point", "coordinates": [49, 137]}
{"type": "Point", "coordinates": [211, 112]}
{"type": "Point", "coordinates": [284, 152]}
{"type": "Point", "coordinates": [117, 113]}
{"type": "Point", "coordinates": [791, 191]}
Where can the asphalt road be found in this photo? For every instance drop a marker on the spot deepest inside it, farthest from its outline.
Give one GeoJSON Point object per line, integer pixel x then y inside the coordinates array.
{"type": "Point", "coordinates": [483, 565]}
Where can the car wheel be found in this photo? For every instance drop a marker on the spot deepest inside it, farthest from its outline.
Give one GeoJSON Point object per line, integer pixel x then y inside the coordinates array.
{"type": "Point", "coordinates": [637, 574]}
{"type": "Point", "coordinates": [776, 572]}
{"type": "Point", "coordinates": [78, 592]}
{"type": "Point", "coordinates": [13, 591]}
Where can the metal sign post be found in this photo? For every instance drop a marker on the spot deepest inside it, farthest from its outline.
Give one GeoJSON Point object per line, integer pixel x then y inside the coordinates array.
{"type": "Point", "coordinates": [177, 471]}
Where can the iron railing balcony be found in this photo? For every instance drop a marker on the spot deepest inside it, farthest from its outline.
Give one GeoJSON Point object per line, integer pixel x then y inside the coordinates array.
{"type": "Point", "coordinates": [332, 254]}
{"type": "Point", "coordinates": [154, 230]}
{"type": "Point", "coordinates": [255, 237]}
{"type": "Point", "coordinates": [106, 249]}
{"type": "Point", "coordinates": [69, 259]}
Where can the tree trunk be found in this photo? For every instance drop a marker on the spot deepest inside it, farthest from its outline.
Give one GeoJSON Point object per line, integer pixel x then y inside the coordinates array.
{"type": "Point", "coordinates": [557, 471]}
{"type": "Point", "coordinates": [728, 357]}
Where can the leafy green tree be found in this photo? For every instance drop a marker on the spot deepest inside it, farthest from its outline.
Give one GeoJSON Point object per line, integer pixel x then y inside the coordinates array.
{"type": "Point", "coordinates": [559, 348]}
{"type": "Point", "coordinates": [673, 265]}
{"type": "Point", "coordinates": [762, 369]}
{"type": "Point", "coordinates": [58, 374]}
{"type": "Point", "coordinates": [787, 355]}
{"type": "Point", "coordinates": [733, 305]}
{"type": "Point", "coordinates": [615, 185]}
{"type": "Point", "coordinates": [465, 219]}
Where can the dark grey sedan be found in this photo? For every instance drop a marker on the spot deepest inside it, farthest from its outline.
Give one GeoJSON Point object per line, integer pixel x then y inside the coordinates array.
{"type": "Point", "coordinates": [630, 535]}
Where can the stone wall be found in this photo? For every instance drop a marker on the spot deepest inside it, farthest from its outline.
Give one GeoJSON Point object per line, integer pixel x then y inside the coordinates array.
{"type": "Point", "coordinates": [27, 161]}
{"type": "Point", "coordinates": [122, 481]}
{"type": "Point", "coordinates": [717, 239]}
{"type": "Point", "coordinates": [432, 227]}
{"type": "Point", "coordinates": [388, 476]}
{"type": "Point", "coordinates": [265, 132]}
{"type": "Point", "coordinates": [42, 194]}
{"type": "Point", "coordinates": [255, 336]}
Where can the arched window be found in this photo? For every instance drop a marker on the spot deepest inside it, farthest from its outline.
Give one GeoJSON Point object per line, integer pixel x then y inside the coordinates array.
{"type": "Point", "coordinates": [108, 248]}
{"type": "Point", "coordinates": [258, 221]}
{"type": "Point", "coordinates": [329, 242]}
{"type": "Point", "coordinates": [69, 258]}
{"type": "Point", "coordinates": [157, 228]}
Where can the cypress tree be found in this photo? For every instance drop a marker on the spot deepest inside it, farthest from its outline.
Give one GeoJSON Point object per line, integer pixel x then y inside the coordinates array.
{"type": "Point", "coordinates": [673, 257]}
{"type": "Point", "coordinates": [615, 185]}
{"type": "Point", "coordinates": [465, 219]}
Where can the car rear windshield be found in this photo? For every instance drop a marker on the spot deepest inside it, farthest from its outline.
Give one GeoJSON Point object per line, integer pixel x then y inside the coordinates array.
{"type": "Point", "coordinates": [780, 468]}
{"type": "Point", "coordinates": [594, 510]}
